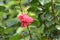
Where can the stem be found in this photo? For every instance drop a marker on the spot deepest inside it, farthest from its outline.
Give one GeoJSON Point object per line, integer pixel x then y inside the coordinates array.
{"type": "Point", "coordinates": [49, 38]}
{"type": "Point", "coordinates": [20, 5]}
{"type": "Point", "coordinates": [45, 25]}
{"type": "Point", "coordinates": [52, 4]}
{"type": "Point", "coordinates": [29, 33]}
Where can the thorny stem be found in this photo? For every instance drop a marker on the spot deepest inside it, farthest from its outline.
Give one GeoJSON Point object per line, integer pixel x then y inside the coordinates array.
{"type": "Point", "coordinates": [29, 33]}
{"type": "Point", "coordinates": [20, 5]}
{"type": "Point", "coordinates": [52, 4]}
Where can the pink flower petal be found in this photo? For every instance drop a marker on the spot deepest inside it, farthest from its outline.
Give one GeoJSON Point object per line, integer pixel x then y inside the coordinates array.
{"type": "Point", "coordinates": [25, 20]}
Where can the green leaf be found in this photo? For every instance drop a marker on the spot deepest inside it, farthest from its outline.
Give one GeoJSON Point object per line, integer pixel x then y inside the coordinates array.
{"type": "Point", "coordinates": [10, 30]}
{"type": "Point", "coordinates": [1, 0]}
{"type": "Point", "coordinates": [19, 30]}
{"type": "Point", "coordinates": [35, 3]}
{"type": "Point", "coordinates": [11, 22]}
{"type": "Point", "coordinates": [44, 1]}
{"type": "Point", "coordinates": [15, 37]}
{"type": "Point", "coordinates": [33, 9]}
{"type": "Point", "coordinates": [2, 8]}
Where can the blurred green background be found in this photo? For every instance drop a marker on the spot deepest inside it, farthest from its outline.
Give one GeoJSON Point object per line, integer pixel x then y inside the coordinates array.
{"type": "Point", "coordinates": [43, 27]}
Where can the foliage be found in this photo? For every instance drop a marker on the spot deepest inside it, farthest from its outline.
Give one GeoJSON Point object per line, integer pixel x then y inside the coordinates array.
{"type": "Point", "coordinates": [43, 27]}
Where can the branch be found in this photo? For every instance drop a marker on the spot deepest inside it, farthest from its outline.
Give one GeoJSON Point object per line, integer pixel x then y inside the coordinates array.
{"type": "Point", "coordinates": [29, 32]}
{"type": "Point", "coordinates": [52, 4]}
{"type": "Point", "coordinates": [20, 5]}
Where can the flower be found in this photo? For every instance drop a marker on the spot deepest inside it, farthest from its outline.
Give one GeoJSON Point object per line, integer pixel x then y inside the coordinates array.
{"type": "Point", "coordinates": [25, 20]}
